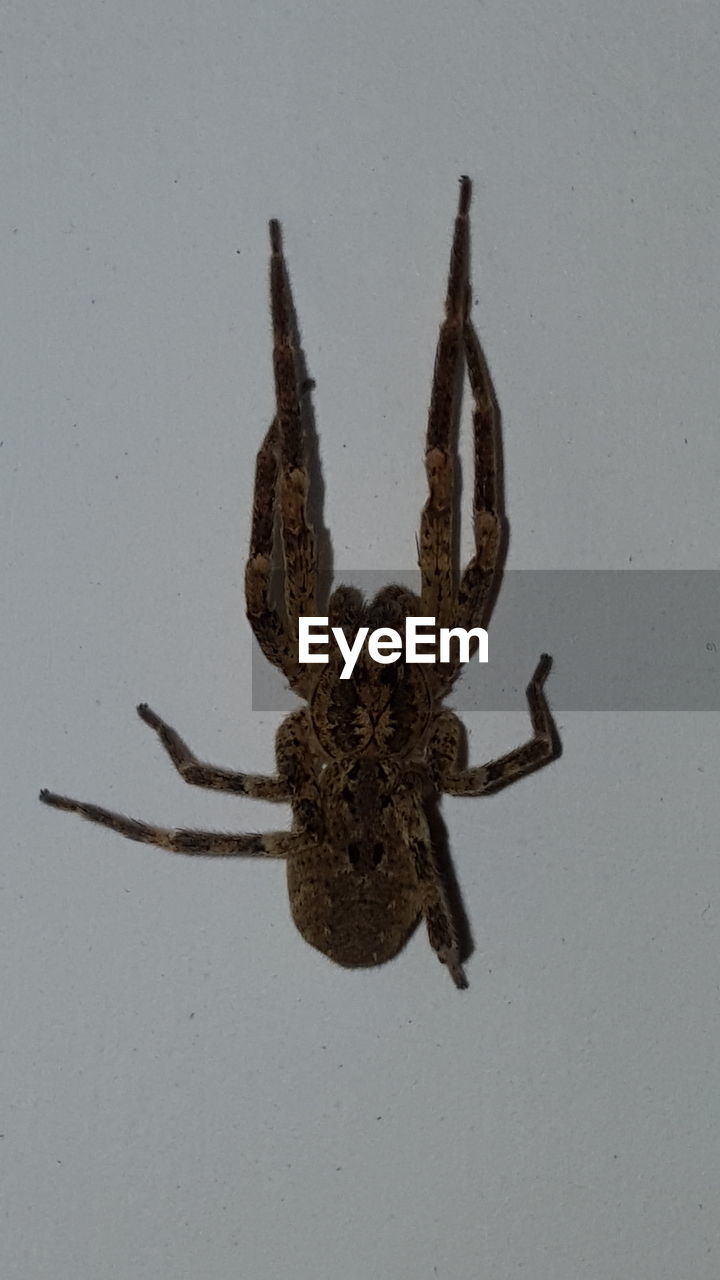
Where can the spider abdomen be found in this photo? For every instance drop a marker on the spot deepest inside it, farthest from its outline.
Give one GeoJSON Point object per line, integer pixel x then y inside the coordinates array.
{"type": "Point", "coordinates": [356, 916]}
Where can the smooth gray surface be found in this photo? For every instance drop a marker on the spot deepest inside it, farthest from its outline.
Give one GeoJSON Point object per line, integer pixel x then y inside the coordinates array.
{"type": "Point", "coordinates": [188, 1090]}
{"type": "Point", "coordinates": [624, 640]}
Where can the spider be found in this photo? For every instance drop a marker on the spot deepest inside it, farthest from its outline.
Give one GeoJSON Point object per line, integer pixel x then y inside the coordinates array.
{"type": "Point", "coordinates": [364, 762]}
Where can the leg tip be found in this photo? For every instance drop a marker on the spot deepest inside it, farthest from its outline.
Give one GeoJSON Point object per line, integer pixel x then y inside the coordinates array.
{"type": "Point", "coordinates": [542, 670]}
{"type": "Point", "coordinates": [456, 971]}
{"type": "Point", "coordinates": [147, 715]}
{"type": "Point", "coordinates": [275, 236]}
{"type": "Point", "coordinates": [465, 194]}
{"type": "Point", "coordinates": [49, 797]}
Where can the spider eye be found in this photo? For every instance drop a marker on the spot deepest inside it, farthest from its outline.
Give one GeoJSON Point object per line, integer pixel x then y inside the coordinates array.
{"type": "Point", "coordinates": [378, 853]}
{"type": "Point", "coordinates": [353, 853]}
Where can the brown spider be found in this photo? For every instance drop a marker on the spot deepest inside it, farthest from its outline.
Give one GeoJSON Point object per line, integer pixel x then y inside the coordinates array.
{"type": "Point", "coordinates": [364, 762]}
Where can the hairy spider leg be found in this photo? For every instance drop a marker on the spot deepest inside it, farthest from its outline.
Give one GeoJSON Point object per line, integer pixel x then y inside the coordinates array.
{"type": "Point", "coordinates": [444, 745]}
{"type": "Point", "coordinates": [437, 531]}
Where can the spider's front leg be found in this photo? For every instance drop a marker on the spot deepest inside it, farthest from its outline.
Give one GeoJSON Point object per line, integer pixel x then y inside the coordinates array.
{"type": "Point", "coordinates": [298, 536]}
{"type": "Point", "coordinates": [269, 626]}
{"type": "Point", "coordinates": [476, 586]}
{"type": "Point", "coordinates": [479, 780]}
{"type": "Point", "coordinates": [281, 490]}
{"type": "Point", "coordinates": [437, 526]}
{"type": "Point", "coordinates": [464, 603]}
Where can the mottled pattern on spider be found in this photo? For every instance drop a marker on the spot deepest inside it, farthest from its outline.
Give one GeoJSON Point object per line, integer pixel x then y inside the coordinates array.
{"type": "Point", "coordinates": [363, 763]}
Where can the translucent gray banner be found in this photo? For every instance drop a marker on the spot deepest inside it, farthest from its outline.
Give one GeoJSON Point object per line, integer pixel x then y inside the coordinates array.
{"type": "Point", "coordinates": [621, 640]}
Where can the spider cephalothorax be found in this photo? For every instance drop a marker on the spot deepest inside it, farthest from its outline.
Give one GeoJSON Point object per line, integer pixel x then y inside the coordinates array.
{"type": "Point", "coordinates": [381, 711]}
{"type": "Point", "coordinates": [363, 763]}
